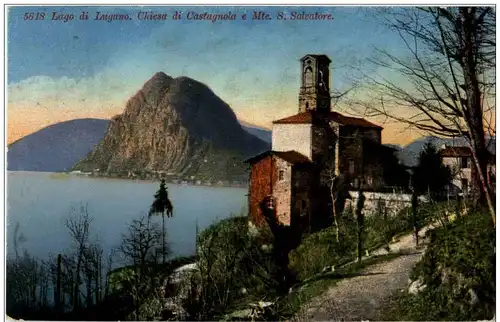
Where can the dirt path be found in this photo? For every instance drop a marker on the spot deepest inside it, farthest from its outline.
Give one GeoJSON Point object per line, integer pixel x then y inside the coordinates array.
{"type": "Point", "coordinates": [361, 297]}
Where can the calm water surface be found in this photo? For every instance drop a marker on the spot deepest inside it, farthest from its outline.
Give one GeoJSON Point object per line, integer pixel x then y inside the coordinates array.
{"type": "Point", "coordinates": [40, 203]}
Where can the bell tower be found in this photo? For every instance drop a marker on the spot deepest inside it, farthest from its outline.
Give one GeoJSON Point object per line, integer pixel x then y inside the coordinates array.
{"type": "Point", "coordinates": [314, 92]}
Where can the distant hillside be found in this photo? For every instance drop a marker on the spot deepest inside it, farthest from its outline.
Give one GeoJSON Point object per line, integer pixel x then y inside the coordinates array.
{"type": "Point", "coordinates": [177, 126]}
{"type": "Point", "coordinates": [263, 134]}
{"type": "Point", "coordinates": [57, 147]}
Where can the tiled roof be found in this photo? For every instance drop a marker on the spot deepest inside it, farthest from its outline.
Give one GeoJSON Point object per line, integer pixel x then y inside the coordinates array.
{"type": "Point", "coordinates": [293, 157]}
{"type": "Point", "coordinates": [308, 117]}
{"type": "Point", "coordinates": [456, 151]}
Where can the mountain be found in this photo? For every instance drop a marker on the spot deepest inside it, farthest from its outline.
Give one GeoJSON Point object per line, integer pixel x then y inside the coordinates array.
{"type": "Point", "coordinates": [60, 146]}
{"type": "Point", "coordinates": [57, 147]}
{"type": "Point", "coordinates": [409, 154]}
{"type": "Point", "coordinates": [262, 133]}
{"type": "Point", "coordinates": [177, 126]}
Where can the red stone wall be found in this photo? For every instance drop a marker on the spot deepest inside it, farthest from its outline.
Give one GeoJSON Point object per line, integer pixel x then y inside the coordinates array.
{"type": "Point", "coordinates": [260, 187]}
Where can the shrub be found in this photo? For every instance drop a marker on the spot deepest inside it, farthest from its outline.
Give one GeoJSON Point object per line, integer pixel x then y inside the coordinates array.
{"type": "Point", "coordinates": [230, 260]}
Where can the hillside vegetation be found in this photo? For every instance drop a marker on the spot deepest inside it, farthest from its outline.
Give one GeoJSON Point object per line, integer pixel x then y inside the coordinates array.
{"type": "Point", "coordinates": [456, 275]}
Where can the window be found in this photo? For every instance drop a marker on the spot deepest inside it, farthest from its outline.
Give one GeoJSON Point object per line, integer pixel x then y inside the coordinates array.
{"type": "Point", "coordinates": [270, 203]}
{"type": "Point", "coordinates": [281, 175]}
{"type": "Point", "coordinates": [351, 166]}
{"type": "Point", "coordinates": [303, 205]}
{"type": "Point", "coordinates": [308, 77]}
{"type": "Point", "coordinates": [307, 106]}
{"type": "Point", "coordinates": [464, 162]}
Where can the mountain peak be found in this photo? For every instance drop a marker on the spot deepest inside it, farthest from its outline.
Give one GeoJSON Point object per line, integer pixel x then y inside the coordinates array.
{"type": "Point", "coordinates": [159, 79]}
{"type": "Point", "coordinates": [178, 125]}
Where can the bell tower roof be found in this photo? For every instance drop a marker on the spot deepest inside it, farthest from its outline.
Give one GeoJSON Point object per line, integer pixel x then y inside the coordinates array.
{"type": "Point", "coordinates": [316, 57]}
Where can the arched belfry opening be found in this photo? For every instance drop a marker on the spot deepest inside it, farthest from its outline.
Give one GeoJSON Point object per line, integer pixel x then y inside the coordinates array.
{"type": "Point", "coordinates": [308, 77]}
{"type": "Point", "coordinates": [314, 93]}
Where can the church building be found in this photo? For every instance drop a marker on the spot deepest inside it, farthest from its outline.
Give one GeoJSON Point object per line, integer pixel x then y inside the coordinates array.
{"type": "Point", "coordinates": [311, 148]}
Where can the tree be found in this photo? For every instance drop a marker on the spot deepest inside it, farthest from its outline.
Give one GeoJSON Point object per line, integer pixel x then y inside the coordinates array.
{"type": "Point", "coordinates": [285, 238]}
{"type": "Point", "coordinates": [139, 248]}
{"type": "Point", "coordinates": [446, 86]}
{"type": "Point", "coordinates": [78, 225]}
{"type": "Point", "coordinates": [430, 174]}
{"type": "Point", "coordinates": [360, 220]}
{"type": "Point", "coordinates": [162, 205]}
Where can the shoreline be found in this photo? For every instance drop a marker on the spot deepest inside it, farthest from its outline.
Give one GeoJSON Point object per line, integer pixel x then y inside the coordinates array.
{"type": "Point", "coordinates": [178, 182]}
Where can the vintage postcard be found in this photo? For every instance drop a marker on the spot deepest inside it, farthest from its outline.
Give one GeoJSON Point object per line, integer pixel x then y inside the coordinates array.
{"type": "Point", "coordinates": [218, 162]}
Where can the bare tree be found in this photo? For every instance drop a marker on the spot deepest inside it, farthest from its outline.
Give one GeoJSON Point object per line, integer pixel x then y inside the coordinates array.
{"type": "Point", "coordinates": [360, 219]}
{"type": "Point", "coordinates": [92, 268]}
{"type": "Point", "coordinates": [447, 84]}
{"type": "Point", "coordinates": [336, 189]}
{"type": "Point", "coordinates": [140, 247]}
{"type": "Point", "coordinates": [109, 267]}
{"type": "Point", "coordinates": [78, 224]}
{"type": "Point", "coordinates": [27, 285]}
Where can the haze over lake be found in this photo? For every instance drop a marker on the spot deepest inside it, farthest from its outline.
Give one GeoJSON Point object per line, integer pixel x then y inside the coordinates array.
{"type": "Point", "coordinates": [40, 203]}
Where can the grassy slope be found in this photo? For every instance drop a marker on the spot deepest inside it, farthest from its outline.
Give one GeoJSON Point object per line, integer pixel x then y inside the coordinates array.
{"type": "Point", "coordinates": [459, 260]}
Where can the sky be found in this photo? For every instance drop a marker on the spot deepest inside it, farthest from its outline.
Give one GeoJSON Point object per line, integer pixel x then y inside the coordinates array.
{"type": "Point", "coordinates": [59, 70]}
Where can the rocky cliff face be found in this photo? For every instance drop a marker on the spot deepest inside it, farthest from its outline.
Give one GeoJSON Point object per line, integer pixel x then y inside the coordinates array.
{"type": "Point", "coordinates": [175, 125]}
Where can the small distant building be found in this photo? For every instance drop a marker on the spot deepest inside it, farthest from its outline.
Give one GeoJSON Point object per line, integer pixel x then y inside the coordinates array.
{"type": "Point", "coordinates": [464, 175]}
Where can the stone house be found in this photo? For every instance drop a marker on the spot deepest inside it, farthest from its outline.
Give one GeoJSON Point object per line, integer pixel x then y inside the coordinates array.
{"type": "Point", "coordinates": [286, 177]}
{"type": "Point", "coordinates": [311, 148]}
{"type": "Point", "coordinates": [464, 177]}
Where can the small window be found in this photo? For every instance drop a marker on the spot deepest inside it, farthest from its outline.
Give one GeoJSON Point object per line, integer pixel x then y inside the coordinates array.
{"type": "Point", "coordinates": [351, 166]}
{"type": "Point", "coordinates": [270, 203]}
{"type": "Point", "coordinates": [281, 175]}
{"type": "Point", "coordinates": [464, 162]}
{"type": "Point", "coordinates": [307, 106]}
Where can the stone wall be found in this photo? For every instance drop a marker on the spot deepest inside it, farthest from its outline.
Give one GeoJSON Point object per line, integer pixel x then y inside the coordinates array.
{"type": "Point", "coordinates": [288, 137]}
{"type": "Point", "coordinates": [282, 190]}
{"type": "Point", "coordinates": [323, 144]}
{"type": "Point", "coordinates": [301, 203]}
{"type": "Point", "coordinates": [390, 203]}
{"type": "Point", "coordinates": [262, 177]}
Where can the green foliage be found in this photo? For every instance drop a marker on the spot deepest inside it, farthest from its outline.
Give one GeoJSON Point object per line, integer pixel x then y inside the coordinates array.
{"type": "Point", "coordinates": [320, 249]}
{"type": "Point", "coordinates": [430, 174]}
{"type": "Point", "coordinates": [162, 204]}
{"type": "Point", "coordinates": [458, 270]}
{"type": "Point", "coordinates": [230, 260]}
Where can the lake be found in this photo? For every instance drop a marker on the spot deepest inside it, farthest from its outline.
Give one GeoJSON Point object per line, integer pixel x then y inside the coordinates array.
{"type": "Point", "coordinates": [40, 202]}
